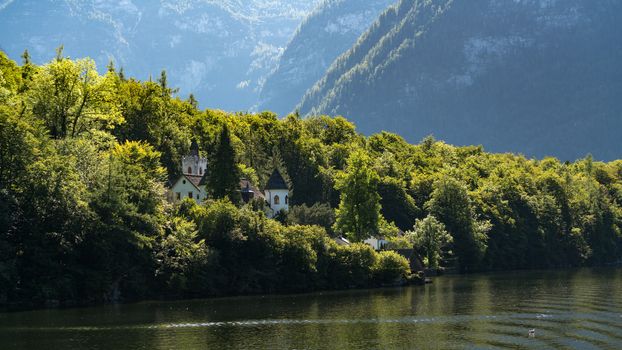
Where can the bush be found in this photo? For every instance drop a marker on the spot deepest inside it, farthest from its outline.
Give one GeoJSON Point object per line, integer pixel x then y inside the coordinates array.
{"type": "Point", "coordinates": [216, 222]}
{"type": "Point", "coordinates": [390, 267]}
{"type": "Point", "coordinates": [182, 263]}
{"type": "Point", "coordinates": [319, 214]}
{"type": "Point", "coordinates": [298, 268]}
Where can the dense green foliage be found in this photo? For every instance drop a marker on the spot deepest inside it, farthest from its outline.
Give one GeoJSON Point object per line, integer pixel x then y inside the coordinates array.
{"type": "Point", "coordinates": [319, 214]}
{"type": "Point", "coordinates": [358, 214]}
{"type": "Point", "coordinates": [430, 238]}
{"type": "Point", "coordinates": [85, 158]}
{"type": "Point", "coordinates": [223, 177]}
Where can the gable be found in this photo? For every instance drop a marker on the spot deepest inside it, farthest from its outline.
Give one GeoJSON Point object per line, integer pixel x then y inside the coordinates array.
{"type": "Point", "coordinates": [179, 185]}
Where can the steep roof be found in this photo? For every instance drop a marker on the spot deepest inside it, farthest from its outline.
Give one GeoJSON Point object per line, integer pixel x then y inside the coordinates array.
{"type": "Point", "coordinates": [276, 182]}
{"type": "Point", "coordinates": [248, 187]}
{"type": "Point", "coordinates": [195, 179]}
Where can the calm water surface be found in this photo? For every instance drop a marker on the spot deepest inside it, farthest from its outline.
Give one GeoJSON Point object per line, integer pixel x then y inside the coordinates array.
{"type": "Point", "coordinates": [579, 309]}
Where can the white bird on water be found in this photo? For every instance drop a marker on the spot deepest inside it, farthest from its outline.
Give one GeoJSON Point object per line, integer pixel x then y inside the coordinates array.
{"type": "Point", "coordinates": [532, 333]}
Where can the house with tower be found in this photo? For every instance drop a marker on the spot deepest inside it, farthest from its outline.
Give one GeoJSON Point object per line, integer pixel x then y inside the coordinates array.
{"type": "Point", "coordinates": [193, 181]}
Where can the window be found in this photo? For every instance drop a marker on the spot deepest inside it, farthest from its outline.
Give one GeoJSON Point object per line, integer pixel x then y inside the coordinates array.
{"type": "Point", "coordinates": [189, 170]}
{"type": "Point", "coordinates": [286, 199]}
{"type": "Point", "coordinates": [189, 194]}
{"type": "Point", "coordinates": [184, 182]}
{"type": "Point", "coordinates": [200, 171]}
{"type": "Point", "coordinates": [277, 200]}
{"type": "Point", "coordinates": [178, 195]}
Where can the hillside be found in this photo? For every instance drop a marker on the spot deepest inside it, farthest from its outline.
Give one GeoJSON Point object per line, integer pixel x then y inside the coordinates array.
{"type": "Point", "coordinates": [327, 33]}
{"type": "Point", "coordinates": [537, 77]}
{"type": "Point", "coordinates": [85, 216]}
{"type": "Point", "coordinates": [218, 50]}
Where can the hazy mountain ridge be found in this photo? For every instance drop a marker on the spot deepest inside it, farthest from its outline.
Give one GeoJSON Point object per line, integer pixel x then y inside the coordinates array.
{"type": "Point", "coordinates": [538, 77]}
{"type": "Point", "coordinates": [325, 34]}
{"type": "Point", "coordinates": [220, 49]}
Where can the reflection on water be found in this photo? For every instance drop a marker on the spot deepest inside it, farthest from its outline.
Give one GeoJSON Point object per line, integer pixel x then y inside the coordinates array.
{"type": "Point", "coordinates": [578, 309]}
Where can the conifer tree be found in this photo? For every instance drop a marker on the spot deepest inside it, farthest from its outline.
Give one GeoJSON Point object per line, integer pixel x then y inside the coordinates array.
{"type": "Point", "coordinates": [224, 175]}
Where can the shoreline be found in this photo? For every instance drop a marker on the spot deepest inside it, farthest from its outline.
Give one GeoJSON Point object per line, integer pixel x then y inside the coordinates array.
{"type": "Point", "coordinates": [69, 306]}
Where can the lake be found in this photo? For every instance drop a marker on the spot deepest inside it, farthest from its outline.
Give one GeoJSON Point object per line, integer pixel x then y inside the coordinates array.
{"type": "Point", "coordinates": [579, 309]}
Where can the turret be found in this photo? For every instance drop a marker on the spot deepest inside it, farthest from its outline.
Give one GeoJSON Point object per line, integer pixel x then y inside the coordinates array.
{"type": "Point", "coordinates": [277, 192]}
{"type": "Point", "coordinates": [192, 164]}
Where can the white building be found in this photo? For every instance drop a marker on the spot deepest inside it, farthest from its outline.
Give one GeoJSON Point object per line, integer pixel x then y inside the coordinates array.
{"type": "Point", "coordinates": [192, 164]}
{"type": "Point", "coordinates": [276, 193]}
{"type": "Point", "coordinates": [188, 186]}
{"type": "Point", "coordinates": [376, 243]}
{"type": "Point", "coordinates": [192, 184]}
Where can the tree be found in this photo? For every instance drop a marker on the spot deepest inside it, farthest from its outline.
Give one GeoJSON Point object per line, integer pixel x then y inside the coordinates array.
{"type": "Point", "coordinates": [397, 205]}
{"type": "Point", "coordinates": [149, 117]}
{"type": "Point", "coordinates": [430, 237]}
{"type": "Point", "coordinates": [71, 98]}
{"type": "Point", "coordinates": [319, 214]}
{"type": "Point", "coordinates": [358, 214]}
{"type": "Point", "coordinates": [18, 143]}
{"type": "Point", "coordinates": [450, 203]}
{"type": "Point", "coordinates": [163, 81]}
{"type": "Point", "coordinates": [10, 78]}
{"type": "Point", "coordinates": [224, 174]}
{"type": "Point", "coordinates": [181, 257]}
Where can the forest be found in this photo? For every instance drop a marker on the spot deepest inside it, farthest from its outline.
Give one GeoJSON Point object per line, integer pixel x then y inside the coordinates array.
{"type": "Point", "coordinates": [85, 160]}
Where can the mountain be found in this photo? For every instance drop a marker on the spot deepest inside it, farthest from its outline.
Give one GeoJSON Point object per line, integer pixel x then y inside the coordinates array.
{"type": "Point", "coordinates": [541, 77]}
{"type": "Point", "coordinates": [327, 33]}
{"type": "Point", "coordinates": [220, 49]}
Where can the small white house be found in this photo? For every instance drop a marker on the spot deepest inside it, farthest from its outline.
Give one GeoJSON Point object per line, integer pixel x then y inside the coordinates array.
{"type": "Point", "coordinates": [188, 186]}
{"type": "Point", "coordinates": [276, 193]}
{"type": "Point", "coordinates": [376, 243]}
{"type": "Point", "coordinates": [191, 184]}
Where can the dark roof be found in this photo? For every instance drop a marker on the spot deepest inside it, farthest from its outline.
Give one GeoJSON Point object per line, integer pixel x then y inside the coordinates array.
{"type": "Point", "coordinates": [247, 187]}
{"type": "Point", "coordinates": [195, 179]}
{"type": "Point", "coordinates": [276, 182]}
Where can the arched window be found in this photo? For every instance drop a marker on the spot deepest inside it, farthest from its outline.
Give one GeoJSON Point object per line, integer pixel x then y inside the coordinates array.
{"type": "Point", "coordinates": [277, 200]}
{"type": "Point", "coordinates": [189, 170]}
{"type": "Point", "coordinates": [286, 199]}
{"type": "Point", "coordinates": [200, 171]}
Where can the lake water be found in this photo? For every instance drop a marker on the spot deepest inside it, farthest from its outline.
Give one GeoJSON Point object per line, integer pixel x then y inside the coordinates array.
{"type": "Point", "coordinates": [579, 309]}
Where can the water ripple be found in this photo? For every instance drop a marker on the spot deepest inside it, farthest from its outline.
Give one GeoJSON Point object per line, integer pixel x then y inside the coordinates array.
{"type": "Point", "coordinates": [519, 320]}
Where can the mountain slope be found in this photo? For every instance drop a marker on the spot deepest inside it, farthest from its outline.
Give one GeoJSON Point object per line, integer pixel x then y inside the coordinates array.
{"type": "Point", "coordinates": [218, 50]}
{"type": "Point", "coordinates": [540, 77]}
{"type": "Point", "coordinates": [327, 33]}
